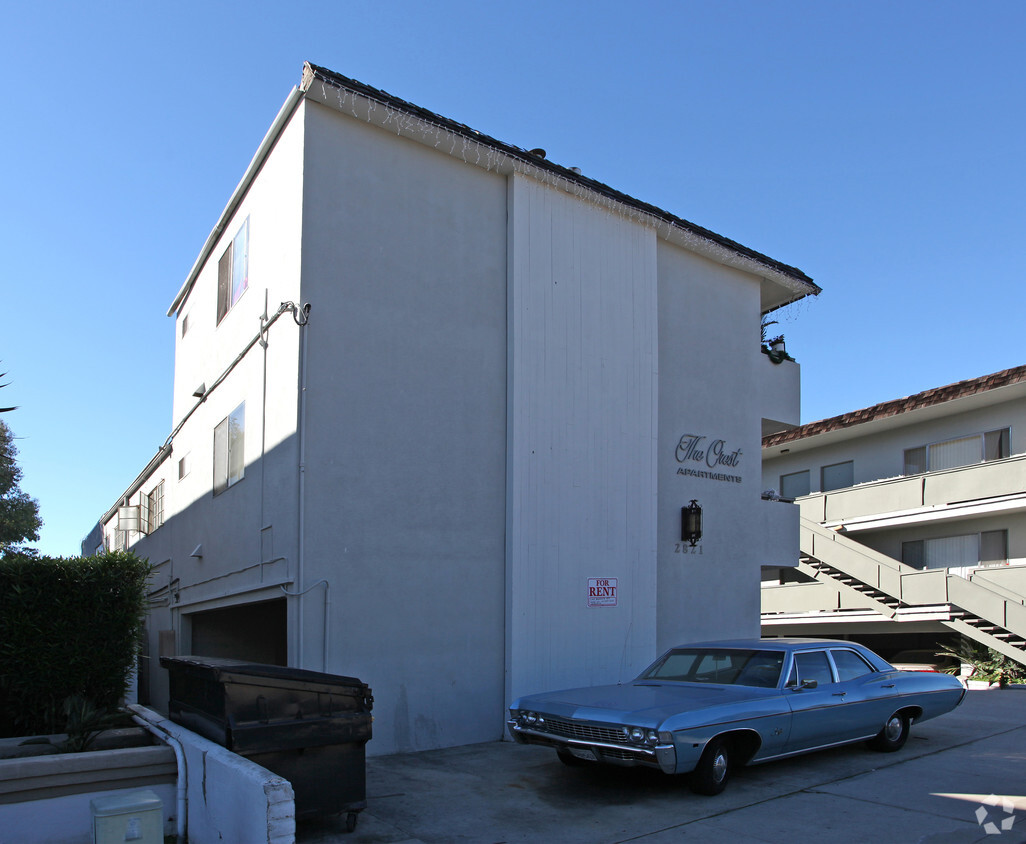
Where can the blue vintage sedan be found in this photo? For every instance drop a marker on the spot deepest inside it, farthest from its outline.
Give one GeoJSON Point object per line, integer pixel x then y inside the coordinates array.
{"type": "Point", "coordinates": [707, 708]}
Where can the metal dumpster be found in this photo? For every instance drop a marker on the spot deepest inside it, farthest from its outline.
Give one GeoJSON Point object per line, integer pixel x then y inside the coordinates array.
{"type": "Point", "coordinates": [308, 727]}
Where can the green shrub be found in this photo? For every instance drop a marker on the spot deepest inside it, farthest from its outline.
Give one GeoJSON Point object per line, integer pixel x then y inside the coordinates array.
{"type": "Point", "coordinates": [68, 627]}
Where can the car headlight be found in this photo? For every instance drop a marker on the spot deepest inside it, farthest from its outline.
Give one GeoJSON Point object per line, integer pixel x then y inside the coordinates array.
{"type": "Point", "coordinates": [639, 735]}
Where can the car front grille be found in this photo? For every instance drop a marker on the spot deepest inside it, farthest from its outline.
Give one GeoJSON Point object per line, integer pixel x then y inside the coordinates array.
{"type": "Point", "coordinates": [624, 755]}
{"type": "Point", "coordinates": [583, 732]}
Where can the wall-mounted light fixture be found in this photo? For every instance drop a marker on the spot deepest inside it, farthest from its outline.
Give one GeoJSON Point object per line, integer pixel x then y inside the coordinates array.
{"type": "Point", "coordinates": [691, 523]}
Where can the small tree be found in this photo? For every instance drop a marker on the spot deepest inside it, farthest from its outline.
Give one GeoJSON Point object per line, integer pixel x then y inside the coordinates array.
{"type": "Point", "coordinates": [19, 513]}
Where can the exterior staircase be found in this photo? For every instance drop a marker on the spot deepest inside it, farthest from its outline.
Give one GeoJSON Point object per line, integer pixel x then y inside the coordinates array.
{"type": "Point", "coordinates": [994, 619]}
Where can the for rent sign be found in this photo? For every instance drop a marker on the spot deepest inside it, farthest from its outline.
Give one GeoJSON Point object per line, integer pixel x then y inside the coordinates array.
{"type": "Point", "coordinates": [601, 591]}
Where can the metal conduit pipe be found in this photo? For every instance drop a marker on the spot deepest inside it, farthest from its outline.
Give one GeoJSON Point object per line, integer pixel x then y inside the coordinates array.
{"type": "Point", "coordinates": [181, 793]}
{"type": "Point", "coordinates": [327, 609]}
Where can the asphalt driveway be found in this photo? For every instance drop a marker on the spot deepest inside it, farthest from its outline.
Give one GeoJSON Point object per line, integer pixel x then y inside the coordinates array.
{"type": "Point", "coordinates": [937, 790]}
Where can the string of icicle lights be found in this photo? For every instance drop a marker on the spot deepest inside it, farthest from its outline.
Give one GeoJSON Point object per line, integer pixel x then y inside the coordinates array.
{"type": "Point", "coordinates": [458, 144]}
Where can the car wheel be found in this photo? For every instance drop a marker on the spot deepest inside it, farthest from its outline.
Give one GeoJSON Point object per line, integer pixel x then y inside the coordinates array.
{"type": "Point", "coordinates": [568, 759]}
{"type": "Point", "coordinates": [713, 769]}
{"type": "Point", "coordinates": [893, 735]}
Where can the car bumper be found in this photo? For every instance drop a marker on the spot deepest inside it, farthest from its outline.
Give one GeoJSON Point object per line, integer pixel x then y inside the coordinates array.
{"type": "Point", "coordinates": [661, 756]}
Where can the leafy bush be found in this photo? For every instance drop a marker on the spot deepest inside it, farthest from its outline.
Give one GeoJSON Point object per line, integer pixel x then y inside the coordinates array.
{"type": "Point", "coordinates": [985, 664]}
{"type": "Point", "coordinates": [68, 627]}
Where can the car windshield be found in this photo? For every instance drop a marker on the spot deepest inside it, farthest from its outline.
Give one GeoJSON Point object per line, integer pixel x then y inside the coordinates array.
{"type": "Point", "coordinates": [724, 666]}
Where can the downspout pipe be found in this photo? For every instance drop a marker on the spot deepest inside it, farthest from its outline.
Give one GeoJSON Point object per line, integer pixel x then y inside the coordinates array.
{"type": "Point", "coordinates": [181, 790]}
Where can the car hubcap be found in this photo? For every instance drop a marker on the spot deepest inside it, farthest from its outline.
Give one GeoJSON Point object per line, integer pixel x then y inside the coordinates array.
{"type": "Point", "coordinates": [719, 767]}
{"type": "Point", "coordinates": [893, 729]}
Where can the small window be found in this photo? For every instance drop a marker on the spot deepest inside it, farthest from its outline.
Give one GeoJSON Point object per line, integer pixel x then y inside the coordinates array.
{"type": "Point", "coordinates": [913, 553]}
{"type": "Point", "coordinates": [154, 507]}
{"type": "Point", "coordinates": [849, 665]}
{"type": "Point", "coordinates": [813, 665]}
{"type": "Point", "coordinates": [994, 548]}
{"type": "Point", "coordinates": [185, 324]}
{"type": "Point", "coordinates": [996, 444]}
{"type": "Point", "coordinates": [915, 460]}
{"type": "Point", "coordinates": [795, 484]}
{"type": "Point", "coordinates": [183, 467]}
{"type": "Point", "coordinates": [229, 450]}
{"type": "Point", "coordinates": [837, 476]}
{"type": "Point", "coordinates": [233, 272]}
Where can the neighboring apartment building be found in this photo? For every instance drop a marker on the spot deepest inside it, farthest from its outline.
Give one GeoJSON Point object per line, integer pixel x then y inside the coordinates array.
{"type": "Point", "coordinates": [438, 405]}
{"type": "Point", "coordinates": [903, 504]}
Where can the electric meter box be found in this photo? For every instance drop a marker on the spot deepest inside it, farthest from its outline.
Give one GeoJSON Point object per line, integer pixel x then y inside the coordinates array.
{"type": "Point", "coordinates": [137, 816]}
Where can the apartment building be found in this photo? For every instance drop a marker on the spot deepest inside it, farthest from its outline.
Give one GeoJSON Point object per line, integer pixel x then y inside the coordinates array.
{"type": "Point", "coordinates": [443, 410]}
{"type": "Point", "coordinates": [914, 519]}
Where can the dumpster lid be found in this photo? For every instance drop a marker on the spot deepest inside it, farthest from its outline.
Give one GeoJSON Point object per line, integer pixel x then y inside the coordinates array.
{"type": "Point", "coordinates": [222, 668]}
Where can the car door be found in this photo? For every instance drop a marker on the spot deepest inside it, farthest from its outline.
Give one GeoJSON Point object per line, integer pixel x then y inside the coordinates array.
{"type": "Point", "coordinates": [817, 711]}
{"type": "Point", "coordinates": [868, 695]}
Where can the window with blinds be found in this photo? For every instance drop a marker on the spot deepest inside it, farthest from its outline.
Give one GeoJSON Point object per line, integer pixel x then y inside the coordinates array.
{"type": "Point", "coordinates": [961, 451]}
{"type": "Point", "coordinates": [989, 548]}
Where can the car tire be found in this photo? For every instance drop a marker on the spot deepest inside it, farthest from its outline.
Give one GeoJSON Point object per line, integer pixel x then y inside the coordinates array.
{"type": "Point", "coordinates": [713, 770]}
{"type": "Point", "coordinates": [893, 735]}
{"type": "Point", "coordinates": [568, 759]}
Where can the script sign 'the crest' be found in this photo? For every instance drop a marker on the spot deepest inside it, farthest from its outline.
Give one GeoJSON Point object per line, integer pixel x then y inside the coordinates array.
{"type": "Point", "coordinates": [700, 457]}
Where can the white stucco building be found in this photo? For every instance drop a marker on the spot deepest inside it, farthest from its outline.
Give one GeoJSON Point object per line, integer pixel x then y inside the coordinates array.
{"type": "Point", "coordinates": [453, 463]}
{"type": "Point", "coordinates": [913, 520]}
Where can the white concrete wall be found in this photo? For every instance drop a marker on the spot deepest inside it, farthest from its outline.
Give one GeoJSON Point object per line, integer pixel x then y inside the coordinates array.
{"type": "Point", "coordinates": [404, 261]}
{"type": "Point", "coordinates": [583, 369]}
{"type": "Point", "coordinates": [229, 798]}
{"type": "Point", "coordinates": [709, 366]}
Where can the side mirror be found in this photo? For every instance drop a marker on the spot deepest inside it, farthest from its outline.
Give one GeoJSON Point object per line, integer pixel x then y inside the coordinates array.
{"type": "Point", "coordinates": [808, 684]}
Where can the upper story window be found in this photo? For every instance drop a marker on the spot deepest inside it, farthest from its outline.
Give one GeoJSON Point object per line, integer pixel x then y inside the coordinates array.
{"type": "Point", "coordinates": [233, 272]}
{"type": "Point", "coordinates": [961, 451]}
{"type": "Point", "coordinates": [989, 548]}
{"type": "Point", "coordinates": [795, 484]}
{"type": "Point", "coordinates": [837, 476]}
{"type": "Point", "coordinates": [229, 450]}
{"type": "Point", "coordinates": [153, 506]}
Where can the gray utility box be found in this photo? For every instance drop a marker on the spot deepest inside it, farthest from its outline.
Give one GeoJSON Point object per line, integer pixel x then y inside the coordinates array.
{"type": "Point", "coordinates": [308, 727]}
{"type": "Point", "coordinates": [137, 816]}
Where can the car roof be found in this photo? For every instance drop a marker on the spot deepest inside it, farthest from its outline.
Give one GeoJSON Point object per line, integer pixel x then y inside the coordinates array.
{"type": "Point", "coordinates": [781, 644]}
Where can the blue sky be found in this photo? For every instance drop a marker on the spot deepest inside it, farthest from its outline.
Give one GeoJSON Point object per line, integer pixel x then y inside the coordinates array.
{"type": "Point", "coordinates": [878, 146]}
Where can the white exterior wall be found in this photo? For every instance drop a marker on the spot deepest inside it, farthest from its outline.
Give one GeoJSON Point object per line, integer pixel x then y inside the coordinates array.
{"type": "Point", "coordinates": [583, 370]}
{"type": "Point", "coordinates": [709, 361]}
{"type": "Point", "coordinates": [404, 263]}
{"type": "Point", "coordinates": [247, 533]}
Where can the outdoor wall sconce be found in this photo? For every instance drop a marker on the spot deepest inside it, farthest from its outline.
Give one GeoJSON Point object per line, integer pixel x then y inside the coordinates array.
{"type": "Point", "coordinates": [691, 523]}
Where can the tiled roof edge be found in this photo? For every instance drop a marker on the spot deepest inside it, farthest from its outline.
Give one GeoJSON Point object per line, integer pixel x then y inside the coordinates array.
{"type": "Point", "coordinates": [927, 398]}
{"type": "Point", "coordinates": [312, 72]}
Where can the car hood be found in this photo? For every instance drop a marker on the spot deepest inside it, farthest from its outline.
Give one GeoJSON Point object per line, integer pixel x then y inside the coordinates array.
{"type": "Point", "coordinates": [642, 703]}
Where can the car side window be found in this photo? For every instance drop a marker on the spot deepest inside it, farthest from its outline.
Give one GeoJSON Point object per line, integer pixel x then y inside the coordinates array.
{"type": "Point", "coordinates": [813, 665]}
{"type": "Point", "coordinates": [849, 665]}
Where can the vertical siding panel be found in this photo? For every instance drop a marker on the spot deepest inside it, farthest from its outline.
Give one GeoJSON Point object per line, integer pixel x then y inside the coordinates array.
{"type": "Point", "coordinates": [582, 419]}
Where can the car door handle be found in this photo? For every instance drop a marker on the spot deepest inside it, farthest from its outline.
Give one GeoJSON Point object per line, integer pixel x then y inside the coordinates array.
{"type": "Point", "coordinates": [840, 694]}
{"type": "Point", "coordinates": [888, 685]}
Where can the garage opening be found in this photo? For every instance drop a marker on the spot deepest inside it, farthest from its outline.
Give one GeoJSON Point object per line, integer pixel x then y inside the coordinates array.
{"type": "Point", "coordinates": [253, 632]}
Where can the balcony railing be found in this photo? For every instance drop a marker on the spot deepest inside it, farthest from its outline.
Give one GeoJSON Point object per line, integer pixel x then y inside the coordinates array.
{"type": "Point", "coordinates": [979, 482]}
